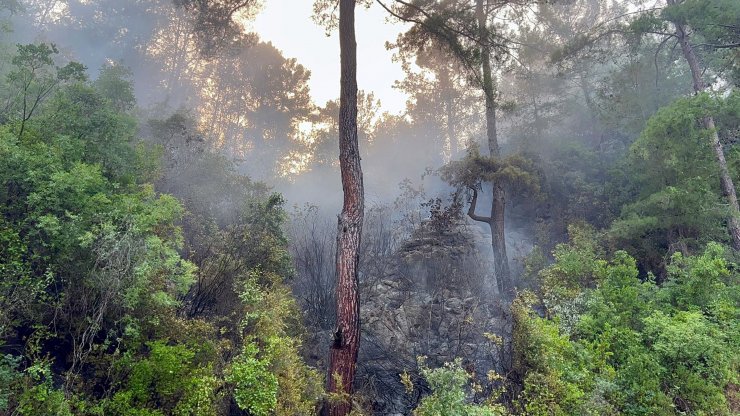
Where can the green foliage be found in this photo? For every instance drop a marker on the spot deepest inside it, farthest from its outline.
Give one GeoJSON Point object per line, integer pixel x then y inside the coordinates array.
{"type": "Point", "coordinates": [168, 381]}
{"type": "Point", "coordinates": [714, 27]}
{"type": "Point", "coordinates": [255, 386]}
{"type": "Point", "coordinates": [9, 376]}
{"type": "Point", "coordinates": [514, 171]}
{"type": "Point", "coordinates": [98, 266]}
{"type": "Point", "coordinates": [448, 396]}
{"type": "Point", "coordinates": [114, 83]}
{"type": "Point", "coordinates": [83, 111]}
{"type": "Point", "coordinates": [576, 180]}
{"type": "Point", "coordinates": [577, 267]}
{"type": "Point", "coordinates": [32, 79]}
{"type": "Point", "coordinates": [270, 378]}
{"type": "Point", "coordinates": [672, 168]}
{"type": "Point", "coordinates": [635, 347]}
{"type": "Point", "coordinates": [40, 397]}
{"type": "Point", "coordinates": [713, 30]}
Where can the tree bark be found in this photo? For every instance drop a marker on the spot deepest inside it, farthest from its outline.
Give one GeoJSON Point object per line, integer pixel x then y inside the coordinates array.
{"type": "Point", "coordinates": [344, 348]}
{"type": "Point", "coordinates": [498, 203]}
{"type": "Point", "coordinates": [726, 183]}
{"type": "Point", "coordinates": [497, 284]}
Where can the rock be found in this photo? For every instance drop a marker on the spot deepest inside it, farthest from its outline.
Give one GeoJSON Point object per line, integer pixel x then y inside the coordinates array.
{"type": "Point", "coordinates": [432, 302]}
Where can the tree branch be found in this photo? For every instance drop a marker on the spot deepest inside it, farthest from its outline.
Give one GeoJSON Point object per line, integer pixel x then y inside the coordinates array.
{"type": "Point", "coordinates": [471, 209]}
{"type": "Point", "coordinates": [428, 16]}
{"type": "Point", "coordinates": [655, 60]}
{"type": "Point", "coordinates": [723, 46]}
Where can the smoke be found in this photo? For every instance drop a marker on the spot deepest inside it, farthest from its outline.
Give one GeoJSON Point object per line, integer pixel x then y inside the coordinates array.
{"type": "Point", "coordinates": [253, 105]}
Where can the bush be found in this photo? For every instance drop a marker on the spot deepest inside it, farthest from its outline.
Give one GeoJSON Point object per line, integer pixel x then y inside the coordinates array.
{"type": "Point", "coordinates": [636, 347]}
{"type": "Point", "coordinates": [448, 396]}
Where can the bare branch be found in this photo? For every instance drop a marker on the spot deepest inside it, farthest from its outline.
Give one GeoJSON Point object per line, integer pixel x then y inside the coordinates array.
{"type": "Point", "coordinates": [471, 209]}
{"type": "Point", "coordinates": [721, 46]}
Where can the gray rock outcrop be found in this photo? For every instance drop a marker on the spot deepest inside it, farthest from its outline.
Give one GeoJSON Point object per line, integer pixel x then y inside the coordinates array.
{"type": "Point", "coordinates": [436, 300]}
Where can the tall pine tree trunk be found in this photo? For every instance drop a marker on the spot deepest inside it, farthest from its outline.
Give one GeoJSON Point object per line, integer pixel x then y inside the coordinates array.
{"type": "Point", "coordinates": [726, 183]}
{"type": "Point", "coordinates": [343, 352]}
{"type": "Point", "coordinates": [498, 203]}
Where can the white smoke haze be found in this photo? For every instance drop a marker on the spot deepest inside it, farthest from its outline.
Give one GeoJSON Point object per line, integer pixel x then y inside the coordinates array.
{"type": "Point", "coordinates": [256, 104]}
{"type": "Point", "coordinates": [232, 98]}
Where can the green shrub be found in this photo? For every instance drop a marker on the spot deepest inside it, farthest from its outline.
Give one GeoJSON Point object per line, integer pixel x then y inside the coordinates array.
{"type": "Point", "coordinates": [449, 397]}
{"type": "Point", "coordinates": [636, 348]}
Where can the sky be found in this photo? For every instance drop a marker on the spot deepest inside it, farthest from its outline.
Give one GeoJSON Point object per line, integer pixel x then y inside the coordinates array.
{"type": "Point", "coordinates": [288, 25]}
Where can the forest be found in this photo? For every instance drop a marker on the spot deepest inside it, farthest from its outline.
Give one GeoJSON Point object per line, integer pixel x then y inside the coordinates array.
{"type": "Point", "coordinates": [525, 207]}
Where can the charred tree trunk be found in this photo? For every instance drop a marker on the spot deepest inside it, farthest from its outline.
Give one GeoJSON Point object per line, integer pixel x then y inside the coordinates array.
{"type": "Point", "coordinates": [498, 203]}
{"type": "Point", "coordinates": [726, 183]}
{"type": "Point", "coordinates": [343, 351]}
{"type": "Point", "coordinates": [500, 259]}
{"type": "Point", "coordinates": [496, 231]}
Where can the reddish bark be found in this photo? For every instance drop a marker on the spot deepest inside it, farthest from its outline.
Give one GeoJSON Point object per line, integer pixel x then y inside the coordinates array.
{"type": "Point", "coordinates": [343, 352]}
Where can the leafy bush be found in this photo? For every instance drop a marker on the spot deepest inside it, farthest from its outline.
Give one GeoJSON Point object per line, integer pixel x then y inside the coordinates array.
{"type": "Point", "coordinates": [128, 302]}
{"type": "Point", "coordinates": [448, 396]}
{"type": "Point", "coordinates": [636, 347]}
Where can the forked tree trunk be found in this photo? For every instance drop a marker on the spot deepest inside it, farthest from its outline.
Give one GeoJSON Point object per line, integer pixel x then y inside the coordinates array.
{"type": "Point", "coordinates": [498, 203]}
{"type": "Point", "coordinates": [726, 183]}
{"type": "Point", "coordinates": [344, 348]}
